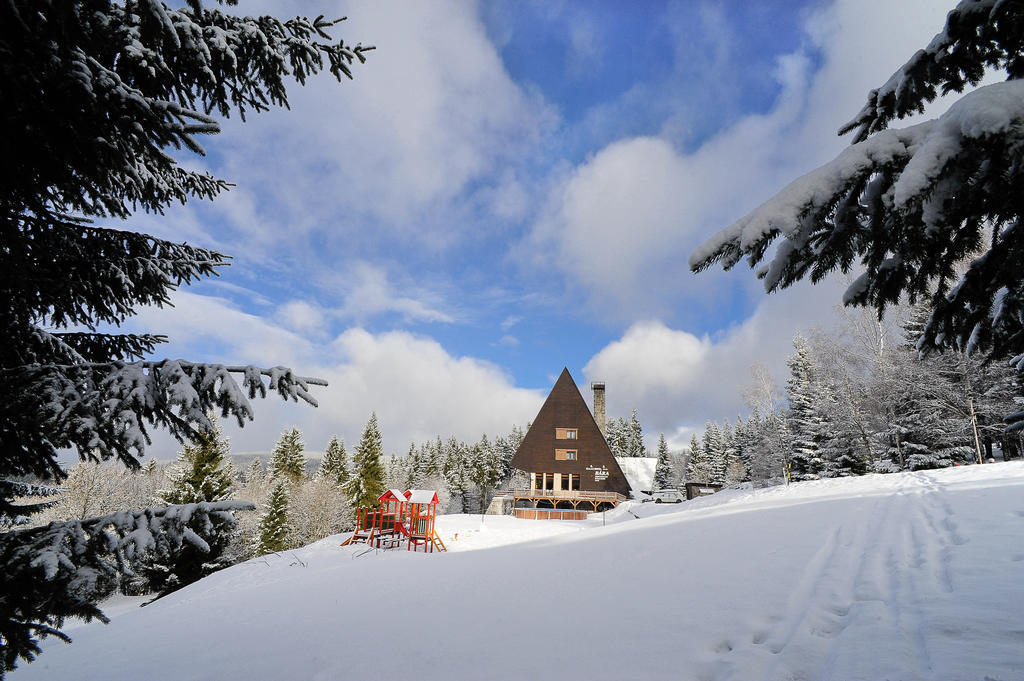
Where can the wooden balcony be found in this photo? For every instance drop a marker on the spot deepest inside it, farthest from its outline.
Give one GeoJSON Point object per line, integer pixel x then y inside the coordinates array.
{"type": "Point", "coordinates": [562, 499]}
{"type": "Point", "coordinates": [588, 495]}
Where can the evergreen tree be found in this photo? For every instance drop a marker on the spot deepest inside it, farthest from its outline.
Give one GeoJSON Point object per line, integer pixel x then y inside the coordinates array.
{"type": "Point", "coordinates": [334, 464]}
{"type": "Point", "coordinates": [254, 472]}
{"type": "Point", "coordinates": [288, 460]}
{"type": "Point", "coordinates": [714, 450]}
{"type": "Point", "coordinates": [485, 469]}
{"type": "Point", "coordinates": [435, 458]}
{"type": "Point", "coordinates": [908, 205]}
{"type": "Point", "coordinates": [663, 473]}
{"type": "Point", "coordinates": [738, 470]}
{"type": "Point", "coordinates": [415, 471]}
{"type": "Point", "coordinates": [635, 437]}
{"type": "Point", "coordinates": [100, 95]}
{"type": "Point", "coordinates": [927, 429]}
{"type": "Point", "coordinates": [617, 435]}
{"type": "Point", "coordinates": [507, 446]}
{"type": "Point", "coordinates": [697, 462]}
{"type": "Point", "coordinates": [273, 526]}
{"type": "Point", "coordinates": [204, 471]}
{"type": "Point", "coordinates": [804, 419]}
{"type": "Point", "coordinates": [456, 474]}
{"type": "Point", "coordinates": [626, 438]}
{"type": "Point", "coordinates": [366, 483]}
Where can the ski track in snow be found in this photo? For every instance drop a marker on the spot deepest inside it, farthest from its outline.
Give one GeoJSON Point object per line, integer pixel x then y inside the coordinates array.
{"type": "Point", "coordinates": [903, 577]}
{"type": "Point", "coordinates": [872, 576]}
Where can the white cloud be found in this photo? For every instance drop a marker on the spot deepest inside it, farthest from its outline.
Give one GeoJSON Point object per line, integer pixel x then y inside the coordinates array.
{"type": "Point", "coordinates": [302, 316]}
{"type": "Point", "coordinates": [623, 223]}
{"type": "Point", "coordinates": [418, 389]}
{"type": "Point", "coordinates": [678, 381]}
{"type": "Point", "coordinates": [368, 292]}
{"type": "Point", "coordinates": [510, 321]}
{"type": "Point", "coordinates": [431, 111]}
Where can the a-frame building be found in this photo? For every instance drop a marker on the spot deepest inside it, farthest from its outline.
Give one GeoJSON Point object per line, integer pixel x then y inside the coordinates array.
{"type": "Point", "coordinates": [570, 464]}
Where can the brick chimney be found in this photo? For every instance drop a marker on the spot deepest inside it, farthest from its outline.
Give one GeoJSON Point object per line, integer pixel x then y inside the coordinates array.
{"type": "Point", "coordinates": [598, 389]}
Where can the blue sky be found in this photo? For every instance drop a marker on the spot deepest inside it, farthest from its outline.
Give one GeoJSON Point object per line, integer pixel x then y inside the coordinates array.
{"type": "Point", "coordinates": [509, 187]}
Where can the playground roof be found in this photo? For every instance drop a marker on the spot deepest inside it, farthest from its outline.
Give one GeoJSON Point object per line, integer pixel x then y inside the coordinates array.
{"type": "Point", "coordinates": [422, 496]}
{"type": "Point", "coordinates": [392, 494]}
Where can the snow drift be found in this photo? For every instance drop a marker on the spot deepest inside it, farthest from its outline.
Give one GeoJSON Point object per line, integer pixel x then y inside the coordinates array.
{"type": "Point", "coordinates": [904, 576]}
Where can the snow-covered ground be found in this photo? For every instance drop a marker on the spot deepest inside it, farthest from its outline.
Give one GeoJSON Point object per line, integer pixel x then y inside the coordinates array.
{"type": "Point", "coordinates": [911, 576]}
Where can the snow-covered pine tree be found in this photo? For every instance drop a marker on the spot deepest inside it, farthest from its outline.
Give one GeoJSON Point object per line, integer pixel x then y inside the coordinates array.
{"type": "Point", "coordinates": [841, 454]}
{"type": "Point", "coordinates": [288, 460]}
{"type": "Point", "coordinates": [397, 471]}
{"type": "Point", "coordinates": [204, 471]}
{"type": "Point", "coordinates": [617, 435]}
{"type": "Point", "coordinates": [203, 474]}
{"type": "Point", "coordinates": [366, 483]}
{"type": "Point", "coordinates": [908, 205]}
{"type": "Point", "coordinates": [414, 470]}
{"type": "Point", "coordinates": [254, 473]}
{"type": "Point", "coordinates": [507, 446]}
{"type": "Point", "coordinates": [273, 528]}
{"type": "Point", "coordinates": [485, 469]}
{"type": "Point", "coordinates": [435, 458]}
{"type": "Point", "coordinates": [931, 426]}
{"type": "Point", "coordinates": [735, 470]}
{"type": "Point", "coordinates": [101, 94]}
{"type": "Point", "coordinates": [456, 474]}
{"type": "Point", "coordinates": [697, 469]}
{"type": "Point", "coordinates": [663, 473]}
{"type": "Point", "coordinates": [714, 448]}
{"type": "Point", "coordinates": [804, 420]}
{"type": "Point", "coordinates": [334, 464]}
{"type": "Point", "coordinates": [635, 437]}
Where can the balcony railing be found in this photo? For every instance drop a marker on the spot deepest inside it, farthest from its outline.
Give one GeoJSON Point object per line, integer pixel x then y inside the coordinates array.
{"type": "Point", "coordinates": [587, 495]}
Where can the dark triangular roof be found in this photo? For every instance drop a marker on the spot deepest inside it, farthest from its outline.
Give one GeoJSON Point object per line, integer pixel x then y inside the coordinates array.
{"type": "Point", "coordinates": [566, 408]}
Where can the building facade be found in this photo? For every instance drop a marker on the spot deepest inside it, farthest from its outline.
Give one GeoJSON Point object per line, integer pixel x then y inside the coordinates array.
{"type": "Point", "coordinates": [570, 464]}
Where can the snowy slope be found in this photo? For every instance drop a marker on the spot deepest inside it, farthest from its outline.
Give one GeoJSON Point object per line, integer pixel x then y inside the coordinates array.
{"type": "Point", "coordinates": [911, 576]}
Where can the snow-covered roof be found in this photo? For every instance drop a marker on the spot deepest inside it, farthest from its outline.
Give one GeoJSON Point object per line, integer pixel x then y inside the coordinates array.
{"type": "Point", "coordinates": [422, 496]}
{"type": "Point", "coordinates": [392, 494]}
{"type": "Point", "coordinates": [639, 471]}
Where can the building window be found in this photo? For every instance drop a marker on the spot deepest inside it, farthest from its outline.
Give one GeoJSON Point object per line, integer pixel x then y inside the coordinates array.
{"type": "Point", "coordinates": [566, 433]}
{"type": "Point", "coordinates": [565, 455]}
{"type": "Point", "coordinates": [544, 481]}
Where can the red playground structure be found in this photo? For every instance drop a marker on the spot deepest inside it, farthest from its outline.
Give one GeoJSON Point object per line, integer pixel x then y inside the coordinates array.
{"type": "Point", "coordinates": [399, 518]}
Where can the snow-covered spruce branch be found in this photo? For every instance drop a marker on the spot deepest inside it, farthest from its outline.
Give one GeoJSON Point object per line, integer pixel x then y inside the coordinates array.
{"type": "Point", "coordinates": [103, 409]}
{"type": "Point", "coordinates": [978, 35]}
{"type": "Point", "coordinates": [18, 514]}
{"type": "Point", "coordinates": [908, 204]}
{"type": "Point", "coordinates": [63, 569]}
{"type": "Point", "coordinates": [115, 541]}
